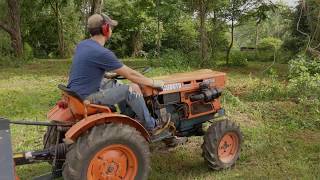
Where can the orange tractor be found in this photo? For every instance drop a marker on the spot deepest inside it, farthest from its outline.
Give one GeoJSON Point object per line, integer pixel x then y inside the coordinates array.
{"type": "Point", "coordinates": [90, 141]}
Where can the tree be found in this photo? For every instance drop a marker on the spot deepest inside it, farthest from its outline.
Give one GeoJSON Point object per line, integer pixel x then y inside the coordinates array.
{"type": "Point", "coordinates": [202, 8]}
{"type": "Point", "coordinates": [11, 25]}
{"type": "Point", "coordinates": [307, 24]}
{"type": "Point", "coordinates": [96, 6]}
{"type": "Point", "coordinates": [134, 22]}
{"type": "Point", "coordinates": [232, 14]}
{"type": "Point", "coordinates": [56, 6]}
{"type": "Point", "coordinates": [260, 14]}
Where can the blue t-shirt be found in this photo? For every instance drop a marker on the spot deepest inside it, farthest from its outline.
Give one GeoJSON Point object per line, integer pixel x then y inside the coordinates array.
{"type": "Point", "coordinates": [89, 64]}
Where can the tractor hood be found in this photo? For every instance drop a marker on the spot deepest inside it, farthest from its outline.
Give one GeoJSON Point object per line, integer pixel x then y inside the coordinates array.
{"type": "Point", "coordinates": [190, 81]}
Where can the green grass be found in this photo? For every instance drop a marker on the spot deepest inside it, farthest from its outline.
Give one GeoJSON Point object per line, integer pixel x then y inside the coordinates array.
{"type": "Point", "coordinates": [281, 136]}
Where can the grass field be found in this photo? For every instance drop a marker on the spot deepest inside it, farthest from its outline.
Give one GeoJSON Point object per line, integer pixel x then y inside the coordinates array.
{"type": "Point", "coordinates": [281, 136]}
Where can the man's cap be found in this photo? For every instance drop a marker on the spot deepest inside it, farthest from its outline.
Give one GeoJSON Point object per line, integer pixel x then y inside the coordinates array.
{"type": "Point", "coordinates": [96, 21]}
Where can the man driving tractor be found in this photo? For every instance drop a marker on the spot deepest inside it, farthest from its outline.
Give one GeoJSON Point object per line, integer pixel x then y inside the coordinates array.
{"type": "Point", "coordinates": [90, 62]}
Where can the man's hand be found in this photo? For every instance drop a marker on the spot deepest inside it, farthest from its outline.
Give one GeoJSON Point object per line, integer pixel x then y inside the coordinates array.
{"type": "Point", "coordinates": [138, 78]}
{"type": "Point", "coordinates": [110, 75]}
{"type": "Point", "coordinates": [158, 84]}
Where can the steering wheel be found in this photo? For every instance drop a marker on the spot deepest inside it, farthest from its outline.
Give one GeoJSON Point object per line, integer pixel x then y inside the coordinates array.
{"type": "Point", "coordinates": [141, 69]}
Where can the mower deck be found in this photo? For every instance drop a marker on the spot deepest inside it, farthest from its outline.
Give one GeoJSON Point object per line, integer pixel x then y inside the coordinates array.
{"type": "Point", "coordinates": [6, 161]}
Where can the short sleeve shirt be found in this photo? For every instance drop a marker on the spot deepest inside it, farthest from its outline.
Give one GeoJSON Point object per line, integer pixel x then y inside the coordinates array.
{"type": "Point", "coordinates": [90, 62]}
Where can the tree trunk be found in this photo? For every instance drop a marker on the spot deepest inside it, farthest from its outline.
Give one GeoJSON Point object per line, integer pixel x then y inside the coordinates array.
{"type": "Point", "coordinates": [158, 30]}
{"type": "Point", "coordinates": [59, 21]}
{"type": "Point", "coordinates": [203, 38]}
{"type": "Point", "coordinates": [231, 43]}
{"type": "Point", "coordinates": [137, 44]}
{"type": "Point", "coordinates": [96, 6]}
{"type": "Point", "coordinates": [13, 28]}
{"type": "Point", "coordinates": [257, 37]}
{"type": "Point", "coordinates": [14, 13]}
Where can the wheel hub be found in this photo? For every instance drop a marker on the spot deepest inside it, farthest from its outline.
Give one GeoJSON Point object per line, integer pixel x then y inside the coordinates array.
{"type": "Point", "coordinates": [228, 147]}
{"type": "Point", "coordinates": [112, 168]}
{"type": "Point", "coordinates": [113, 162]}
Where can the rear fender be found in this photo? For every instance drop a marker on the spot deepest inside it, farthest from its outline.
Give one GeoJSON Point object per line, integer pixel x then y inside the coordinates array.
{"type": "Point", "coordinates": [60, 114]}
{"type": "Point", "coordinates": [85, 124]}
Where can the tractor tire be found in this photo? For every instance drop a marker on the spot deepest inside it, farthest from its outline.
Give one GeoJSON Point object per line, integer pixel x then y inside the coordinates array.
{"type": "Point", "coordinates": [115, 151]}
{"type": "Point", "coordinates": [222, 144]}
{"type": "Point", "coordinates": [50, 140]}
{"type": "Point", "coordinates": [50, 137]}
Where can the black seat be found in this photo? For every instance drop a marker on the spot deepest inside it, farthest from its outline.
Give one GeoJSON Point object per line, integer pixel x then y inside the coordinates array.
{"type": "Point", "coordinates": [70, 92]}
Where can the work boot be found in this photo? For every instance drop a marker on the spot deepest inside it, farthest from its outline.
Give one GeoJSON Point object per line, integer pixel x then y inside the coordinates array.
{"type": "Point", "coordinates": [175, 141]}
{"type": "Point", "coordinates": [161, 124]}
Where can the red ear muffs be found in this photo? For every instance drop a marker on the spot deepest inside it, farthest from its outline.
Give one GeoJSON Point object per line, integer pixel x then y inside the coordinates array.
{"type": "Point", "coordinates": [105, 29]}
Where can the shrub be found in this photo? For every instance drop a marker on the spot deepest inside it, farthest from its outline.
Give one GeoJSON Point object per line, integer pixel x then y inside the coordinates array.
{"type": "Point", "coordinates": [178, 60]}
{"type": "Point", "coordinates": [270, 43]}
{"type": "Point", "coordinates": [304, 78]}
{"type": "Point", "coordinates": [268, 49]}
{"type": "Point", "coordinates": [27, 52]}
{"type": "Point", "coordinates": [238, 58]}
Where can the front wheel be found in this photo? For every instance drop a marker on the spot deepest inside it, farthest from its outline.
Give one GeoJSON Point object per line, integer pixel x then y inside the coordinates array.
{"type": "Point", "coordinates": [108, 151]}
{"type": "Point", "coordinates": [221, 145]}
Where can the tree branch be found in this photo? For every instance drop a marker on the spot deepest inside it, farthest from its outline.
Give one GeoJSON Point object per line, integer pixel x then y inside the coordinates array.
{"type": "Point", "coordinates": [5, 27]}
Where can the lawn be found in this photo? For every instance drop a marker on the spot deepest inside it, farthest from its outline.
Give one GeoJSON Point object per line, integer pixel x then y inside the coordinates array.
{"type": "Point", "coordinates": [281, 135]}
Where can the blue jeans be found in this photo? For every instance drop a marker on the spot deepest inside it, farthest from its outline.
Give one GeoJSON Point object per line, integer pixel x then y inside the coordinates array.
{"type": "Point", "coordinates": [111, 92]}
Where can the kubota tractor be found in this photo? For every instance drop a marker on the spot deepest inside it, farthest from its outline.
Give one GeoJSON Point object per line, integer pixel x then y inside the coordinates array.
{"type": "Point", "coordinates": [90, 141]}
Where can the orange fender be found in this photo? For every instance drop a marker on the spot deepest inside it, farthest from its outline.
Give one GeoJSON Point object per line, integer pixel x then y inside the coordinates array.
{"type": "Point", "coordinates": [80, 127]}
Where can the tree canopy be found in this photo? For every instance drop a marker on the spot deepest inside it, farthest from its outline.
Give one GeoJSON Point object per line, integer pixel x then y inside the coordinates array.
{"type": "Point", "coordinates": [204, 29]}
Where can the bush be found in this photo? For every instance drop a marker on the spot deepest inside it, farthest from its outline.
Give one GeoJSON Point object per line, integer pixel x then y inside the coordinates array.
{"type": "Point", "coordinates": [238, 58]}
{"type": "Point", "coordinates": [27, 52]}
{"type": "Point", "coordinates": [178, 60]}
{"type": "Point", "coordinates": [268, 49]}
{"type": "Point", "coordinates": [270, 43]}
{"type": "Point", "coordinates": [9, 60]}
{"type": "Point", "coordinates": [304, 78]}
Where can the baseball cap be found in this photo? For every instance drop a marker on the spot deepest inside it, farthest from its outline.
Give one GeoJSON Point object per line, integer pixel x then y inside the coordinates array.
{"type": "Point", "coordinates": [96, 21]}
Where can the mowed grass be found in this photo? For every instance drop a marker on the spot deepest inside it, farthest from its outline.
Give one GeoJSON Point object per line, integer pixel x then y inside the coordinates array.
{"type": "Point", "coordinates": [281, 136]}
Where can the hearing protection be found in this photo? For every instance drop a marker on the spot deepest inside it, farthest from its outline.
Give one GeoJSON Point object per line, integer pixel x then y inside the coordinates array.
{"type": "Point", "coordinates": [105, 27]}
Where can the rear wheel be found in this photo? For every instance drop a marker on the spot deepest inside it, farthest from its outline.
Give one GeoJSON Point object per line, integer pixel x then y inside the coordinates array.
{"type": "Point", "coordinates": [50, 139]}
{"type": "Point", "coordinates": [108, 151]}
{"type": "Point", "coordinates": [222, 143]}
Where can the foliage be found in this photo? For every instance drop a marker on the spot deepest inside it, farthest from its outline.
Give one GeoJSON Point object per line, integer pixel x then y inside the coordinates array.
{"type": "Point", "coordinates": [5, 47]}
{"type": "Point", "coordinates": [305, 27]}
{"type": "Point", "coordinates": [27, 52]}
{"type": "Point", "coordinates": [177, 60]}
{"type": "Point", "coordinates": [40, 29]}
{"type": "Point", "coordinates": [181, 35]}
{"type": "Point", "coordinates": [238, 58]}
{"type": "Point", "coordinates": [304, 77]}
{"type": "Point", "coordinates": [270, 43]}
{"type": "Point", "coordinates": [268, 49]}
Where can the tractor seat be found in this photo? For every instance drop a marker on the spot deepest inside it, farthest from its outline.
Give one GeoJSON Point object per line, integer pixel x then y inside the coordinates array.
{"type": "Point", "coordinates": [70, 92]}
{"type": "Point", "coordinates": [75, 95]}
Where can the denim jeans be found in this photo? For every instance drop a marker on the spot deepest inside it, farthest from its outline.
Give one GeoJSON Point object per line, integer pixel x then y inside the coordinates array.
{"type": "Point", "coordinates": [111, 92]}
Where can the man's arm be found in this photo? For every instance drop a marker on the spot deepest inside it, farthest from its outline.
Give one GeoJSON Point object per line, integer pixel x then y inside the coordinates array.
{"type": "Point", "coordinates": [134, 76]}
